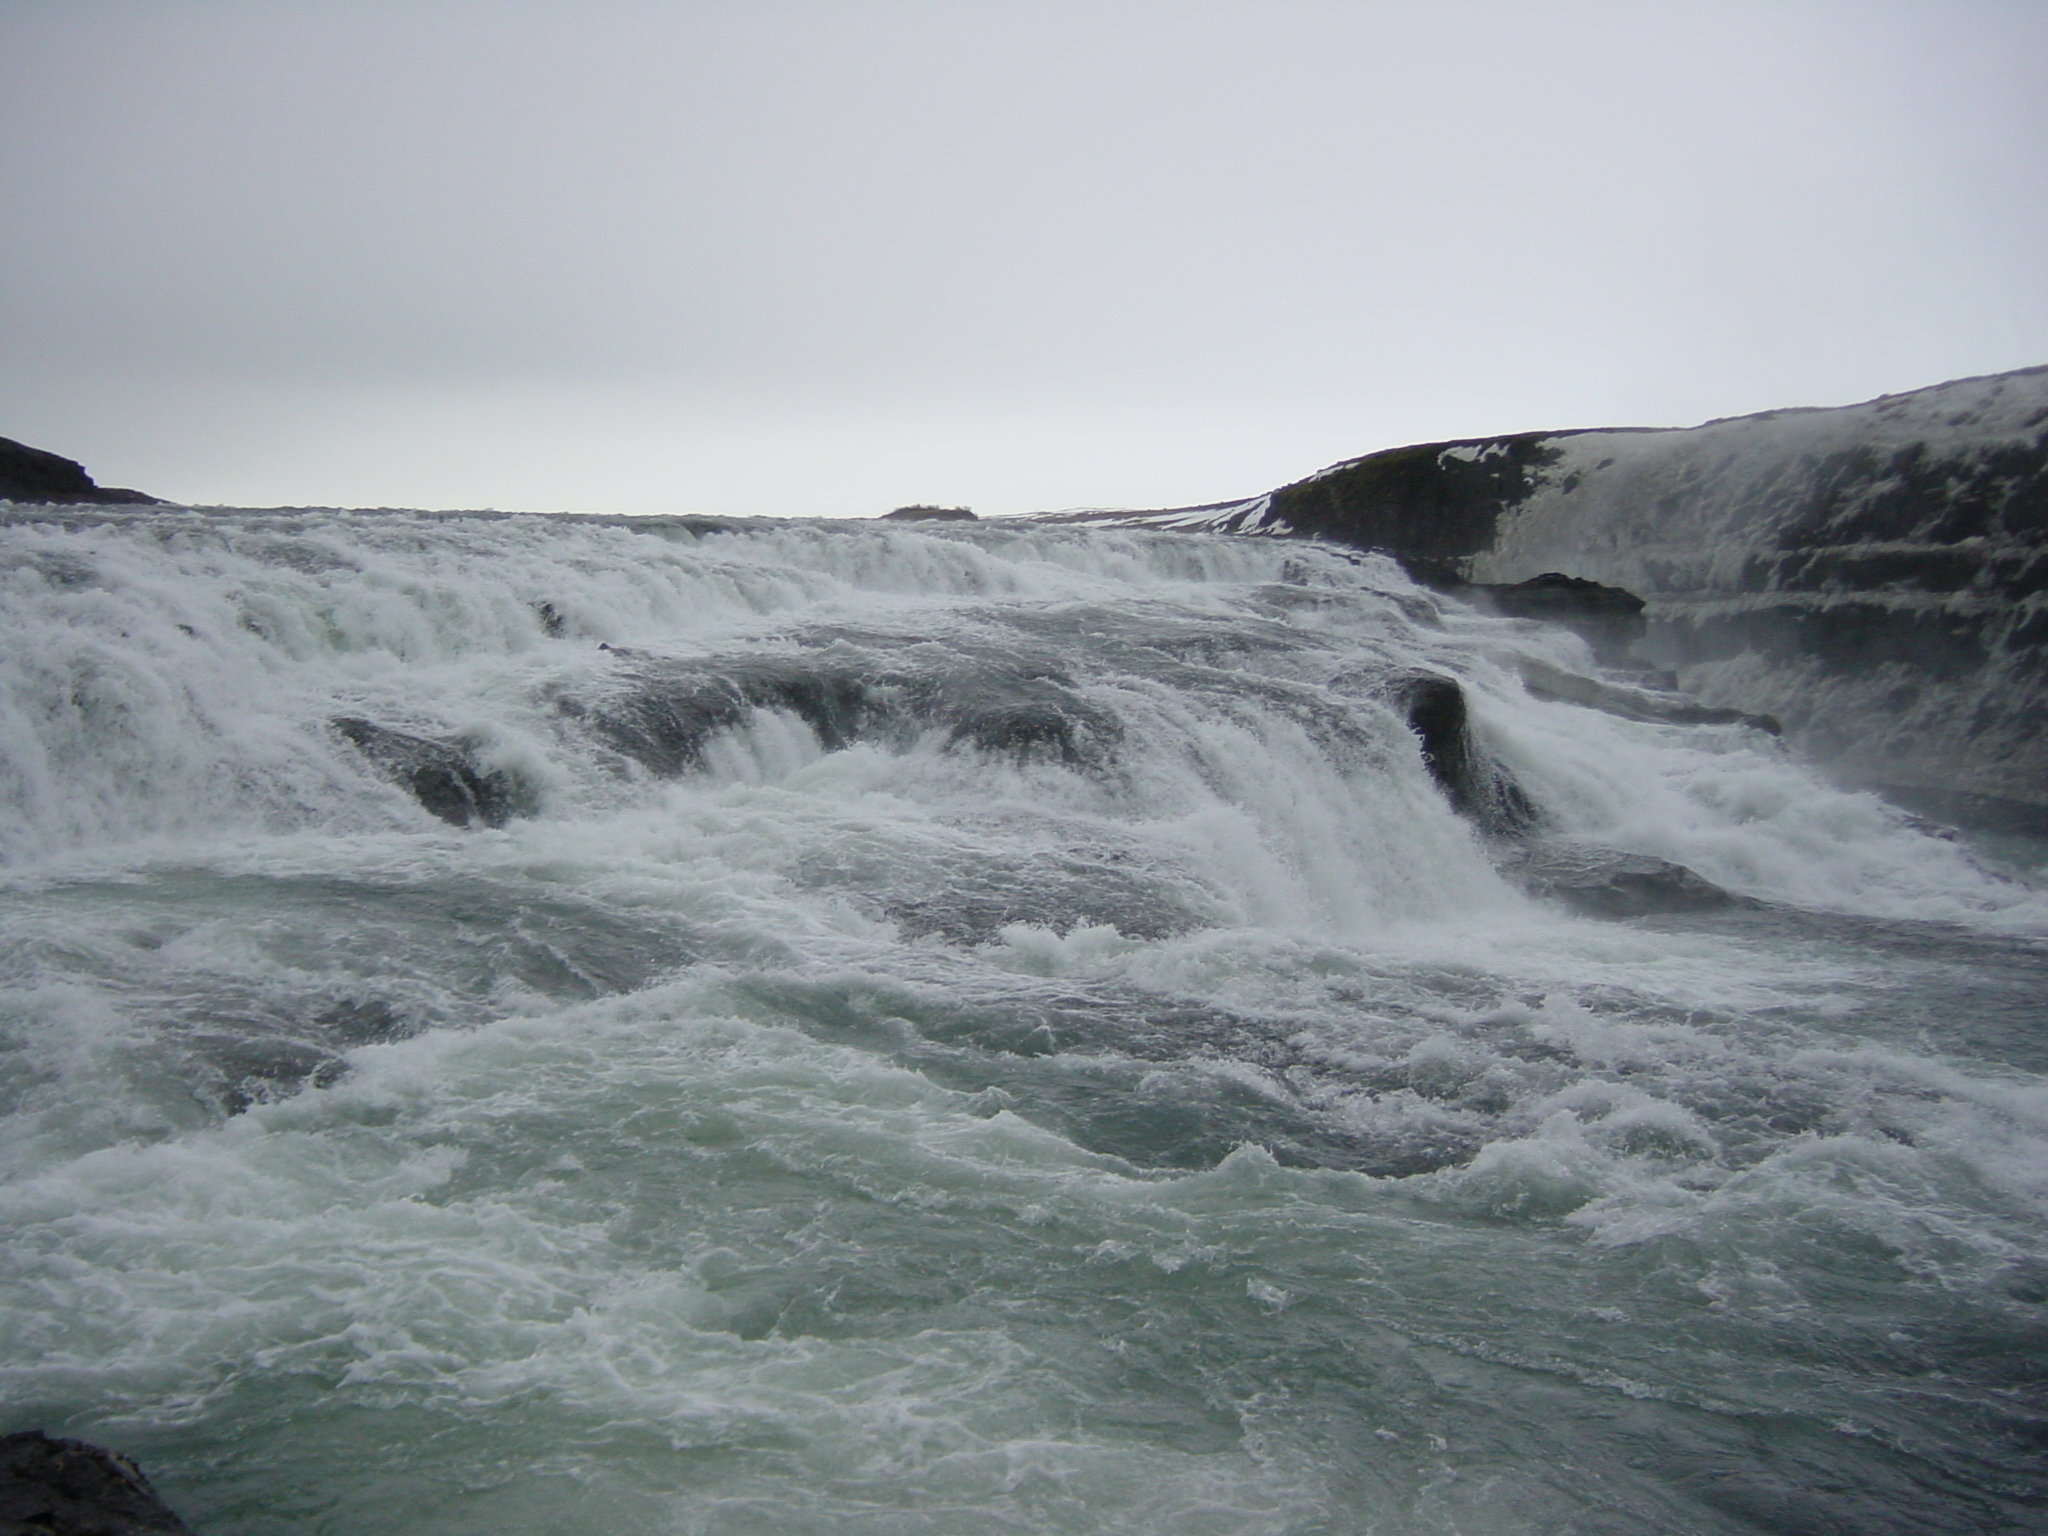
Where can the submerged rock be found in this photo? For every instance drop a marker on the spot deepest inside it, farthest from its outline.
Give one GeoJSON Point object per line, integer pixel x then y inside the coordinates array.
{"type": "Point", "coordinates": [37, 475]}
{"type": "Point", "coordinates": [662, 714]}
{"type": "Point", "coordinates": [51, 1487]}
{"type": "Point", "coordinates": [1659, 706]}
{"type": "Point", "coordinates": [1027, 718]}
{"type": "Point", "coordinates": [1605, 882]}
{"type": "Point", "coordinates": [969, 897]}
{"type": "Point", "coordinates": [440, 774]}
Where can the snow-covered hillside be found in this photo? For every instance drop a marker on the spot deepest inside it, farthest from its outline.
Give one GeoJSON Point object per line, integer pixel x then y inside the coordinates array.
{"type": "Point", "coordinates": [1875, 575]}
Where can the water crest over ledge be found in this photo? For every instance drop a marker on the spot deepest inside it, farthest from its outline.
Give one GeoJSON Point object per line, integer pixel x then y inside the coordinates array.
{"type": "Point", "coordinates": [529, 1024]}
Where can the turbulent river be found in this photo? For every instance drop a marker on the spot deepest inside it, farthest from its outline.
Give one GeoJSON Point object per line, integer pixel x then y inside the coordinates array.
{"type": "Point", "coordinates": [557, 1025]}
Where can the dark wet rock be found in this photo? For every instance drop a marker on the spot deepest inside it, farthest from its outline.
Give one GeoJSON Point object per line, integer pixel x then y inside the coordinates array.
{"type": "Point", "coordinates": [1476, 785]}
{"type": "Point", "coordinates": [441, 775]}
{"type": "Point", "coordinates": [924, 514]}
{"type": "Point", "coordinates": [663, 714]}
{"type": "Point", "coordinates": [1609, 619]}
{"type": "Point", "coordinates": [35, 474]}
{"type": "Point", "coordinates": [51, 1487]}
{"type": "Point", "coordinates": [1604, 882]}
{"type": "Point", "coordinates": [1432, 506]}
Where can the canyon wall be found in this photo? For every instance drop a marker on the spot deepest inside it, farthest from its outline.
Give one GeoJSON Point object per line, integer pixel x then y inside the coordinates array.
{"type": "Point", "coordinates": [1871, 575]}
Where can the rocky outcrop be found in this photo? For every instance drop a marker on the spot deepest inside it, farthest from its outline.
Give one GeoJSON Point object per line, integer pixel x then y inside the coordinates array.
{"type": "Point", "coordinates": [441, 775]}
{"type": "Point", "coordinates": [1610, 619]}
{"type": "Point", "coordinates": [33, 474]}
{"type": "Point", "coordinates": [52, 1487]}
{"type": "Point", "coordinates": [1875, 577]}
{"type": "Point", "coordinates": [924, 514]}
{"type": "Point", "coordinates": [1477, 787]}
{"type": "Point", "coordinates": [662, 714]}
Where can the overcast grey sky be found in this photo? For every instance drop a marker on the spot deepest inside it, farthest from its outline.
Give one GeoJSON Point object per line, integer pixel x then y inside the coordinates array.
{"type": "Point", "coordinates": [827, 256]}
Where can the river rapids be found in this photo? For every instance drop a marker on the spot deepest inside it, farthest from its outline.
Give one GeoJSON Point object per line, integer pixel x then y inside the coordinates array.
{"type": "Point", "coordinates": [523, 1024]}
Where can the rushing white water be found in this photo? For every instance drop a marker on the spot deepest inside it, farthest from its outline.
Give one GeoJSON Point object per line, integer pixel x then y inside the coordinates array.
{"type": "Point", "coordinates": [965, 1029]}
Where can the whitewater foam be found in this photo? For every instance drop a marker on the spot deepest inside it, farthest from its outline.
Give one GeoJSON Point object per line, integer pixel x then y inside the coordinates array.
{"type": "Point", "coordinates": [969, 1029]}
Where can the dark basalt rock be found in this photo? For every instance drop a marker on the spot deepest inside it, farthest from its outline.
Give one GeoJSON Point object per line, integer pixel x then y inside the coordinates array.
{"type": "Point", "coordinates": [440, 774]}
{"type": "Point", "coordinates": [924, 514]}
{"type": "Point", "coordinates": [1599, 882]}
{"type": "Point", "coordinates": [1603, 882]}
{"type": "Point", "coordinates": [665, 713]}
{"type": "Point", "coordinates": [51, 1487]}
{"type": "Point", "coordinates": [662, 715]}
{"type": "Point", "coordinates": [1609, 619]}
{"type": "Point", "coordinates": [1474, 783]}
{"type": "Point", "coordinates": [1432, 506]}
{"type": "Point", "coordinates": [35, 474]}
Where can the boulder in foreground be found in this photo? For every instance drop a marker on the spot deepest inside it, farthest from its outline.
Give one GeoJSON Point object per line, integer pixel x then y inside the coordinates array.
{"type": "Point", "coordinates": [51, 1487]}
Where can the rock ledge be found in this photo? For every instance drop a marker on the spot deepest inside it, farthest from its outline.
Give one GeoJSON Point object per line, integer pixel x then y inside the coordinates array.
{"type": "Point", "coordinates": [37, 475]}
{"type": "Point", "coordinates": [51, 1487]}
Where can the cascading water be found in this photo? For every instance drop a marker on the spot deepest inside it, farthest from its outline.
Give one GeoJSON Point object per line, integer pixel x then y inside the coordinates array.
{"type": "Point", "coordinates": [526, 1024]}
